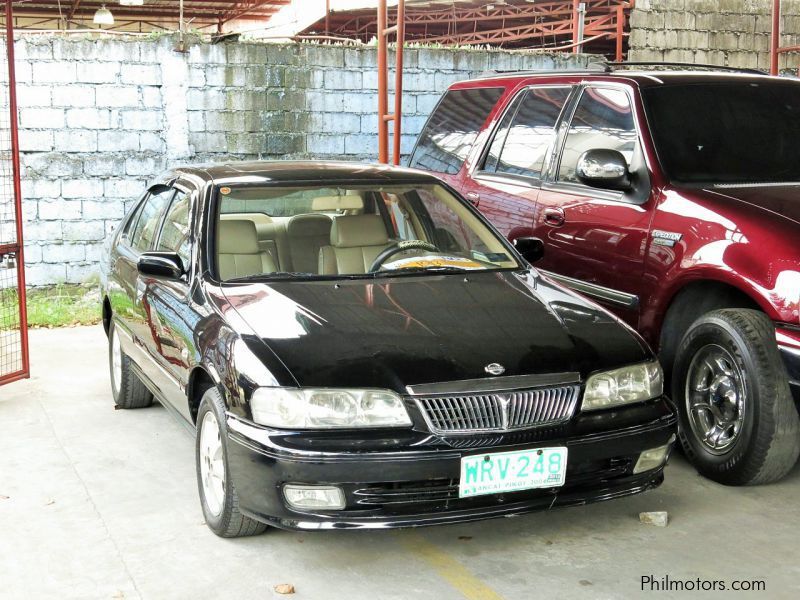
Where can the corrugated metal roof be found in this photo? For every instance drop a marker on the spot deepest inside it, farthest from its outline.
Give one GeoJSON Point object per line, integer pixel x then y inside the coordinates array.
{"type": "Point", "coordinates": [196, 12]}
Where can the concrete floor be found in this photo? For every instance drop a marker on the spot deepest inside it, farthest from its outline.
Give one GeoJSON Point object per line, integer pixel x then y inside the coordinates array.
{"type": "Point", "coordinates": [98, 503]}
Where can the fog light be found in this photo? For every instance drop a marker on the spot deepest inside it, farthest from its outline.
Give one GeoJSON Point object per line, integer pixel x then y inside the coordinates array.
{"type": "Point", "coordinates": [653, 458]}
{"type": "Point", "coordinates": [305, 497]}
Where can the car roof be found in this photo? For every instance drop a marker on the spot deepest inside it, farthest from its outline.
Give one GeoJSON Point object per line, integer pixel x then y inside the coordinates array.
{"type": "Point", "coordinates": [283, 172]}
{"type": "Point", "coordinates": [643, 78]}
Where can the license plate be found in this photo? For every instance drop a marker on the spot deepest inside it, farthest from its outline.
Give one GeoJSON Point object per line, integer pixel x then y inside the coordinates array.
{"type": "Point", "coordinates": [512, 471]}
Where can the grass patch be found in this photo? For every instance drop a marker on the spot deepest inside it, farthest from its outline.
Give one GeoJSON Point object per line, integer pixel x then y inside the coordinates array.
{"type": "Point", "coordinates": [64, 305]}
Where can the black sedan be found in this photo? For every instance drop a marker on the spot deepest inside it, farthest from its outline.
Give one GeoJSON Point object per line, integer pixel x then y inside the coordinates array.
{"type": "Point", "coordinates": [355, 346]}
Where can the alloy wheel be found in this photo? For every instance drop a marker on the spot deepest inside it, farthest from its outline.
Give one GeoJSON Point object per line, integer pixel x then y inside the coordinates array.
{"type": "Point", "coordinates": [212, 466]}
{"type": "Point", "coordinates": [716, 396]}
{"type": "Point", "coordinates": [116, 360]}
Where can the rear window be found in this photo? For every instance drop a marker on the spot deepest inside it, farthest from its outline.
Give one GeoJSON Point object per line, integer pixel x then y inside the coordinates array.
{"type": "Point", "coordinates": [275, 202]}
{"type": "Point", "coordinates": [451, 130]}
{"type": "Point", "coordinates": [727, 133]}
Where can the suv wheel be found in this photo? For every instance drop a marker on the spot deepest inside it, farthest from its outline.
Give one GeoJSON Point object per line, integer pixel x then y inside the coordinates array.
{"type": "Point", "coordinates": [738, 422]}
{"type": "Point", "coordinates": [218, 497]}
{"type": "Point", "coordinates": [126, 387]}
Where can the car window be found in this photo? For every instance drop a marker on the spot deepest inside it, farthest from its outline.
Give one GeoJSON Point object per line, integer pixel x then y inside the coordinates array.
{"type": "Point", "coordinates": [299, 202]}
{"type": "Point", "coordinates": [401, 217]}
{"type": "Point", "coordinates": [493, 155]}
{"type": "Point", "coordinates": [727, 132]}
{"type": "Point", "coordinates": [361, 221]}
{"type": "Point", "coordinates": [603, 119]}
{"type": "Point", "coordinates": [451, 130]}
{"type": "Point", "coordinates": [130, 224]}
{"type": "Point", "coordinates": [523, 146]}
{"type": "Point", "coordinates": [146, 228]}
{"type": "Point", "coordinates": [175, 232]}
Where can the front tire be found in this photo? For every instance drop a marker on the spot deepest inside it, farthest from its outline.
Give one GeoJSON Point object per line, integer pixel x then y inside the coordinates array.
{"type": "Point", "coordinates": [218, 496]}
{"type": "Point", "coordinates": [738, 423]}
{"type": "Point", "coordinates": [127, 389]}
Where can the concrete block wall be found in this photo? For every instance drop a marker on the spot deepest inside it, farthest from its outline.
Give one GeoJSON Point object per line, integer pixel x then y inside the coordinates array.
{"type": "Point", "coordinates": [99, 118]}
{"type": "Point", "coordinates": [734, 33]}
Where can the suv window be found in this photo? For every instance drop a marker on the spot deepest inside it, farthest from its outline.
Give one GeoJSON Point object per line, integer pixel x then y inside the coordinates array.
{"type": "Point", "coordinates": [149, 217]}
{"type": "Point", "coordinates": [452, 128]}
{"type": "Point", "coordinates": [522, 142]}
{"type": "Point", "coordinates": [714, 132]}
{"type": "Point", "coordinates": [602, 119]}
{"type": "Point", "coordinates": [496, 147]}
{"type": "Point", "coordinates": [175, 233]}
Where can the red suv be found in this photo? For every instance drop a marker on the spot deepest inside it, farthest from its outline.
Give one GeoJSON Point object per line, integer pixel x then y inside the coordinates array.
{"type": "Point", "coordinates": [673, 199]}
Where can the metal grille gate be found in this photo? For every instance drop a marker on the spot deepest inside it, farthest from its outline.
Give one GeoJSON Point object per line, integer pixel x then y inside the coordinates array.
{"type": "Point", "coordinates": [13, 321]}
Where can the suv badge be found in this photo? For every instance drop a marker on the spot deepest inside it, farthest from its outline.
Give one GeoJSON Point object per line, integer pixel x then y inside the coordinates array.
{"type": "Point", "coordinates": [666, 238]}
{"type": "Point", "coordinates": [494, 369]}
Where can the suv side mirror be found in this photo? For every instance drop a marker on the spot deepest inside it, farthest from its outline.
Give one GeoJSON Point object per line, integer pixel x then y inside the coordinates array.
{"type": "Point", "coordinates": [161, 265]}
{"type": "Point", "coordinates": [605, 169]}
{"type": "Point", "coordinates": [531, 248]}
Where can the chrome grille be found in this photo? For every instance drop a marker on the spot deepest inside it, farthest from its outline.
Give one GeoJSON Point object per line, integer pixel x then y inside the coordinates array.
{"type": "Point", "coordinates": [499, 411]}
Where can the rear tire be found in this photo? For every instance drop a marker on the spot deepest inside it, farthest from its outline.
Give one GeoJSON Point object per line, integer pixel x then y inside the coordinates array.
{"type": "Point", "coordinates": [218, 497]}
{"type": "Point", "coordinates": [127, 389]}
{"type": "Point", "coordinates": [738, 423]}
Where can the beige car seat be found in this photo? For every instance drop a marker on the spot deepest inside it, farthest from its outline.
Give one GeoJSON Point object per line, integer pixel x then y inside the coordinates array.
{"type": "Point", "coordinates": [307, 234]}
{"type": "Point", "coordinates": [355, 243]}
{"type": "Point", "coordinates": [238, 252]}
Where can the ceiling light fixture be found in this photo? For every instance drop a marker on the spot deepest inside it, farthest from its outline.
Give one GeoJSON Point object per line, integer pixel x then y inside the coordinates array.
{"type": "Point", "coordinates": [131, 2]}
{"type": "Point", "coordinates": [103, 16]}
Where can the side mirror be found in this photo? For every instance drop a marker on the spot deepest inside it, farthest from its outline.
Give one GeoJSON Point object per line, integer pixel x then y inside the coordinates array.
{"type": "Point", "coordinates": [531, 248]}
{"type": "Point", "coordinates": [605, 169]}
{"type": "Point", "coordinates": [161, 265]}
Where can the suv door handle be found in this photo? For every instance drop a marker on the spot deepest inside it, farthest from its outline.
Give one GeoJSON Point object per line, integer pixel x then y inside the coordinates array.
{"type": "Point", "coordinates": [554, 217]}
{"type": "Point", "coordinates": [474, 198]}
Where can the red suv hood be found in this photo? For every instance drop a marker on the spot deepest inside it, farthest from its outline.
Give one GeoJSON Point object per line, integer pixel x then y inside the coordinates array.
{"type": "Point", "coordinates": [783, 200]}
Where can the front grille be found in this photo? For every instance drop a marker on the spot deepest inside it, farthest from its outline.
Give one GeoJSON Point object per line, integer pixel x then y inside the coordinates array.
{"type": "Point", "coordinates": [499, 411]}
{"type": "Point", "coordinates": [412, 492]}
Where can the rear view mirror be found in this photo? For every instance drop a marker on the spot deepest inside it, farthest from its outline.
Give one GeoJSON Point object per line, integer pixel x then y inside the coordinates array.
{"type": "Point", "coordinates": [531, 248]}
{"type": "Point", "coordinates": [606, 169]}
{"type": "Point", "coordinates": [161, 265]}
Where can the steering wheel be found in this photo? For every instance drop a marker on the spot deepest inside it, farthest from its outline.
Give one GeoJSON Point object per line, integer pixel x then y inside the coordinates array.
{"type": "Point", "coordinates": [398, 247]}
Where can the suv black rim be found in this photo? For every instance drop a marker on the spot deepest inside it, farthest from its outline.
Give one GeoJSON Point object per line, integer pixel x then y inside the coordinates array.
{"type": "Point", "coordinates": [715, 398]}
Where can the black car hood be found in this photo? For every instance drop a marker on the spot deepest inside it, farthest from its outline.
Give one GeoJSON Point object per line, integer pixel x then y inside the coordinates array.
{"type": "Point", "coordinates": [390, 333]}
{"type": "Point", "coordinates": [781, 200]}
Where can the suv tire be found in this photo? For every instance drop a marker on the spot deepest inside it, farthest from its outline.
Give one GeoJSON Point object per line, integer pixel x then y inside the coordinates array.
{"type": "Point", "coordinates": [218, 497]}
{"type": "Point", "coordinates": [738, 423]}
{"type": "Point", "coordinates": [127, 389]}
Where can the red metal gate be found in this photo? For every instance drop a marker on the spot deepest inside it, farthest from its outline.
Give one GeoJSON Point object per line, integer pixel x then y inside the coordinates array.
{"type": "Point", "coordinates": [13, 318]}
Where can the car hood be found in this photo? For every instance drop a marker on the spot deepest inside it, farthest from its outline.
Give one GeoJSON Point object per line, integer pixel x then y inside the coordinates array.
{"type": "Point", "coordinates": [391, 333]}
{"type": "Point", "coordinates": [782, 200]}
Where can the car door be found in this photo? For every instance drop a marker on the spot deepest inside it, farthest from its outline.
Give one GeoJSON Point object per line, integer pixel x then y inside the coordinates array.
{"type": "Point", "coordinates": [594, 238]}
{"type": "Point", "coordinates": [167, 303]}
{"type": "Point", "coordinates": [139, 238]}
{"type": "Point", "coordinates": [505, 183]}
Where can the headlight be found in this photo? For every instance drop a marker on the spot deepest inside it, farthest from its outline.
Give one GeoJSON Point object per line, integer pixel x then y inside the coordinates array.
{"type": "Point", "coordinates": [290, 408]}
{"type": "Point", "coordinates": [635, 383]}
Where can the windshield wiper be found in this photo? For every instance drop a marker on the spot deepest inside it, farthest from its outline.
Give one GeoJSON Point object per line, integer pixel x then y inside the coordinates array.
{"type": "Point", "coordinates": [284, 275]}
{"type": "Point", "coordinates": [433, 269]}
{"type": "Point", "coordinates": [278, 275]}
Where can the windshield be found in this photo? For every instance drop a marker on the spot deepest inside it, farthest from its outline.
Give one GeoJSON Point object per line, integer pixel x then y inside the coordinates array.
{"type": "Point", "coordinates": [360, 230]}
{"type": "Point", "coordinates": [726, 133]}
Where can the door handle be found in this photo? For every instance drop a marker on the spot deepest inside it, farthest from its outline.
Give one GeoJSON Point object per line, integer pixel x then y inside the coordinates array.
{"type": "Point", "coordinates": [474, 198]}
{"type": "Point", "coordinates": [554, 217]}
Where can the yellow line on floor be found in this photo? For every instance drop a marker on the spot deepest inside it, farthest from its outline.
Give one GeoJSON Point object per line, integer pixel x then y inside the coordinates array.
{"type": "Point", "coordinates": [448, 568]}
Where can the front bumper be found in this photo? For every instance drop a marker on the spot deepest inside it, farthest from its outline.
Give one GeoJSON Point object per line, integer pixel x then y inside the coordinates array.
{"type": "Point", "coordinates": [418, 484]}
